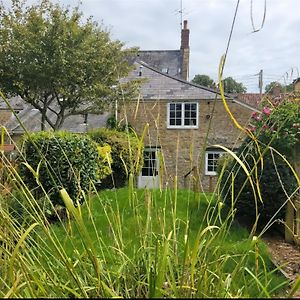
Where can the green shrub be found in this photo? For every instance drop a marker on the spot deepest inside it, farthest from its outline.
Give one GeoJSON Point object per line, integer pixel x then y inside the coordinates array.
{"type": "Point", "coordinates": [60, 160]}
{"type": "Point", "coordinates": [125, 152]}
{"type": "Point", "coordinates": [277, 127]}
{"type": "Point", "coordinates": [274, 179]}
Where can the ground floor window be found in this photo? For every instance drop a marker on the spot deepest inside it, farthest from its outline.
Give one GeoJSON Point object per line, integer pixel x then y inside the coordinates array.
{"type": "Point", "coordinates": [211, 161]}
{"type": "Point", "coordinates": [150, 163]}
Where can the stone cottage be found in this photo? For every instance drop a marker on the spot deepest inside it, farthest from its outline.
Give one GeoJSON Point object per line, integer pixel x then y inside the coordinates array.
{"type": "Point", "coordinates": [186, 122]}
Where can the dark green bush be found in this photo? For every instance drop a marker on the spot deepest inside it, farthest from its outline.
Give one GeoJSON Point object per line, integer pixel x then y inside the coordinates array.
{"type": "Point", "coordinates": [61, 160]}
{"type": "Point", "coordinates": [126, 155]}
{"type": "Point", "coordinates": [275, 180]}
{"type": "Point", "coordinates": [277, 126]}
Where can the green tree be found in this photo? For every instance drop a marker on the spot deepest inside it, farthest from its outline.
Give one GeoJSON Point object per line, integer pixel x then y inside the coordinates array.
{"type": "Point", "coordinates": [231, 86]}
{"type": "Point", "coordinates": [58, 62]}
{"type": "Point", "coordinates": [204, 80]}
{"type": "Point", "coordinates": [283, 88]}
{"type": "Point", "coordinates": [269, 87]}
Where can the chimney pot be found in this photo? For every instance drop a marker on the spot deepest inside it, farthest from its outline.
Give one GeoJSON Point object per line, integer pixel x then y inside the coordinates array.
{"type": "Point", "coordinates": [185, 24]}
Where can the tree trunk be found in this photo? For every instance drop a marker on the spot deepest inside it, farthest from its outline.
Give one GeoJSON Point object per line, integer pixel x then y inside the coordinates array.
{"type": "Point", "coordinates": [43, 121]}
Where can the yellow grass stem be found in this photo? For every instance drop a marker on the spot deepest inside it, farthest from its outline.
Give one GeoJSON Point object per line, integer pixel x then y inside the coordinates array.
{"type": "Point", "coordinates": [17, 248]}
{"type": "Point", "coordinates": [75, 212]}
{"type": "Point", "coordinates": [236, 123]}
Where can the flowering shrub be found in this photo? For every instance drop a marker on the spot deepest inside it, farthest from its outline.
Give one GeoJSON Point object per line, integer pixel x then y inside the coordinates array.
{"type": "Point", "coordinates": [277, 125]}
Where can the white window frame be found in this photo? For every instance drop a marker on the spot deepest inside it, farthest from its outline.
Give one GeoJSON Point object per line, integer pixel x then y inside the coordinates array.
{"type": "Point", "coordinates": [214, 152]}
{"type": "Point", "coordinates": [182, 126]}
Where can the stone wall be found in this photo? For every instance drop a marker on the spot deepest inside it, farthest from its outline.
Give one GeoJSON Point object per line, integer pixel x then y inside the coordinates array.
{"type": "Point", "coordinates": [183, 149]}
{"type": "Point", "coordinates": [4, 116]}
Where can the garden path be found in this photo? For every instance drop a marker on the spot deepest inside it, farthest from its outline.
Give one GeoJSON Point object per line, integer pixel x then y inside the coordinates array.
{"type": "Point", "coordinates": [284, 255]}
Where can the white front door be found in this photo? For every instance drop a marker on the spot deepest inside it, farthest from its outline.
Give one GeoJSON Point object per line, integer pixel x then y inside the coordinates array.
{"type": "Point", "coordinates": [149, 176]}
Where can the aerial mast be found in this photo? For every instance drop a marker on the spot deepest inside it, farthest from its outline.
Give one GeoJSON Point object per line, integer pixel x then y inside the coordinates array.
{"type": "Point", "coordinates": [181, 13]}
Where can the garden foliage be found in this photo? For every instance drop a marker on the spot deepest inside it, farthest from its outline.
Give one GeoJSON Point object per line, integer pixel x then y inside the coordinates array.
{"type": "Point", "coordinates": [61, 160]}
{"type": "Point", "coordinates": [59, 62]}
{"type": "Point", "coordinates": [275, 133]}
{"type": "Point", "coordinates": [126, 150]}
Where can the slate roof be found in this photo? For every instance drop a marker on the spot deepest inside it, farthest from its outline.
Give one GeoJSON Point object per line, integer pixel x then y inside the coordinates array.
{"type": "Point", "coordinates": [31, 120]}
{"type": "Point", "coordinates": [166, 61]}
{"type": "Point", "coordinates": [16, 102]}
{"type": "Point", "coordinates": [157, 86]}
{"type": "Point", "coordinates": [161, 86]}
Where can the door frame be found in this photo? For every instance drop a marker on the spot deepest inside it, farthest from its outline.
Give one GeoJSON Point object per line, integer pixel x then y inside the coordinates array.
{"type": "Point", "coordinates": [149, 176]}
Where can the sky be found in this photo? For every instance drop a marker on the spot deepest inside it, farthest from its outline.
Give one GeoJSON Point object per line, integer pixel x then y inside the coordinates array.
{"type": "Point", "coordinates": [262, 39]}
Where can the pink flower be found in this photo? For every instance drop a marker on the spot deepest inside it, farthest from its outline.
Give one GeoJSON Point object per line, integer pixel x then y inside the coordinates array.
{"type": "Point", "coordinates": [267, 111]}
{"type": "Point", "coordinates": [265, 126]}
{"type": "Point", "coordinates": [256, 116]}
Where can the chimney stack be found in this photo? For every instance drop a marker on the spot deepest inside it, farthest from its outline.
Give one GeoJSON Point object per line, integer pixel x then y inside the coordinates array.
{"type": "Point", "coordinates": [185, 34]}
{"type": "Point", "coordinates": [185, 51]}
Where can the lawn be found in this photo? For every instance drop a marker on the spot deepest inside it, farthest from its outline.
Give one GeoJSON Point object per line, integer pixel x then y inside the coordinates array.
{"type": "Point", "coordinates": [141, 243]}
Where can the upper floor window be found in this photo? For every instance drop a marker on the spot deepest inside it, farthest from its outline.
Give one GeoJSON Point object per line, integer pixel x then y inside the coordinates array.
{"type": "Point", "coordinates": [165, 70]}
{"type": "Point", "coordinates": [183, 115]}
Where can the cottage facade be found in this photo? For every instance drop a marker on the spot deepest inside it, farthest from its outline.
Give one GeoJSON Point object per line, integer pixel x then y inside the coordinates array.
{"type": "Point", "coordinates": [183, 123]}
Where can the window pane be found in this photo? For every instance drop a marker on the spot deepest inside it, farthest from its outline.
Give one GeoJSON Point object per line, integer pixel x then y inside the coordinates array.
{"type": "Point", "coordinates": [194, 106]}
{"type": "Point", "coordinates": [178, 122]}
{"type": "Point", "coordinates": [190, 114]}
{"type": "Point", "coordinates": [149, 167]}
{"type": "Point", "coordinates": [187, 106]}
{"type": "Point", "coordinates": [210, 168]}
{"type": "Point", "coordinates": [175, 114]}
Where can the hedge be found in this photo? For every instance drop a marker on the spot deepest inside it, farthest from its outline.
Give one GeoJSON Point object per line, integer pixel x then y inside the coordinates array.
{"type": "Point", "coordinates": [61, 160]}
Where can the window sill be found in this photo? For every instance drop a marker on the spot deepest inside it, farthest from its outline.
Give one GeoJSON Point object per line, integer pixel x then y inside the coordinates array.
{"type": "Point", "coordinates": [182, 127]}
{"type": "Point", "coordinates": [211, 174]}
